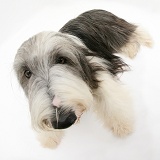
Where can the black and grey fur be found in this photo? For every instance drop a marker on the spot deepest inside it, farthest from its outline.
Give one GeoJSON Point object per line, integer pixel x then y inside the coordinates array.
{"type": "Point", "coordinates": [104, 33]}
{"type": "Point", "coordinates": [68, 72]}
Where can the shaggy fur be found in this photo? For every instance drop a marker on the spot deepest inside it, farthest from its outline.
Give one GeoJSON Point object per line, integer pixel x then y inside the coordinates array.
{"type": "Point", "coordinates": [66, 73]}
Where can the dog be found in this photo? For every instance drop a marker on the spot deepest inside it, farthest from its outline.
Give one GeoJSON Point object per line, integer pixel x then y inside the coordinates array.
{"type": "Point", "coordinates": [69, 72]}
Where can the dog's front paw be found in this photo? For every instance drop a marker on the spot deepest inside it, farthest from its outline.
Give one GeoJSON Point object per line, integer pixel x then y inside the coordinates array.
{"type": "Point", "coordinates": [50, 139]}
{"type": "Point", "coordinates": [122, 129]}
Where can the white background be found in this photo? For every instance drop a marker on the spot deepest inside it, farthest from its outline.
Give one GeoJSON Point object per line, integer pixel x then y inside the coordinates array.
{"type": "Point", "coordinates": [88, 140]}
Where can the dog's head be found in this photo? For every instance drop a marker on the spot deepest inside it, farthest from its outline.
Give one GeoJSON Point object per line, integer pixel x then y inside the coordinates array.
{"type": "Point", "coordinates": [59, 70]}
{"type": "Point", "coordinates": [57, 78]}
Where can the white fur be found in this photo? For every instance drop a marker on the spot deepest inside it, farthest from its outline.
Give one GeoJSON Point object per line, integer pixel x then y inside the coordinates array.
{"type": "Point", "coordinates": [71, 90]}
{"type": "Point", "coordinates": [113, 105]}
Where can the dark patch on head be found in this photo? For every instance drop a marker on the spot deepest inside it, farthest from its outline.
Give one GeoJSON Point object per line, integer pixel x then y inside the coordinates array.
{"type": "Point", "coordinates": [103, 33]}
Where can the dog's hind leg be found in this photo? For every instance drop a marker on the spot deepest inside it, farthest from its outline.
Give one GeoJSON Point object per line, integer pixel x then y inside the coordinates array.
{"type": "Point", "coordinates": [138, 37]}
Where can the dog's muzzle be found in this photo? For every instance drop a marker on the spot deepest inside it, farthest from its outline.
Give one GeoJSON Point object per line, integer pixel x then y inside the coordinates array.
{"type": "Point", "coordinates": [64, 119]}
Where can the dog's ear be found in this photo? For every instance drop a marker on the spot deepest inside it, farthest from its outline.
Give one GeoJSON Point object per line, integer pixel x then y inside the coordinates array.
{"type": "Point", "coordinates": [105, 34]}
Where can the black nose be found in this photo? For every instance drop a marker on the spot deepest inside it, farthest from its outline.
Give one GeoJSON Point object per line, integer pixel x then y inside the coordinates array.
{"type": "Point", "coordinates": [63, 119]}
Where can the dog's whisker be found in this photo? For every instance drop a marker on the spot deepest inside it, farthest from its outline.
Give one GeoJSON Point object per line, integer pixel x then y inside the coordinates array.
{"type": "Point", "coordinates": [57, 116]}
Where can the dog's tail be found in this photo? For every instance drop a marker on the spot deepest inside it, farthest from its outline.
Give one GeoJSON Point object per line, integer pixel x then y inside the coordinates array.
{"type": "Point", "coordinates": [104, 33]}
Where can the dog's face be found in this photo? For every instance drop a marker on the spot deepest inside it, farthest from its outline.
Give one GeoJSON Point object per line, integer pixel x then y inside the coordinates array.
{"type": "Point", "coordinates": [57, 78]}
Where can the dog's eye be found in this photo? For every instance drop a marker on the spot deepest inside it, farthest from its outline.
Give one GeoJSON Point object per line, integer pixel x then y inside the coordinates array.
{"type": "Point", "coordinates": [27, 73]}
{"type": "Point", "coordinates": [61, 60]}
